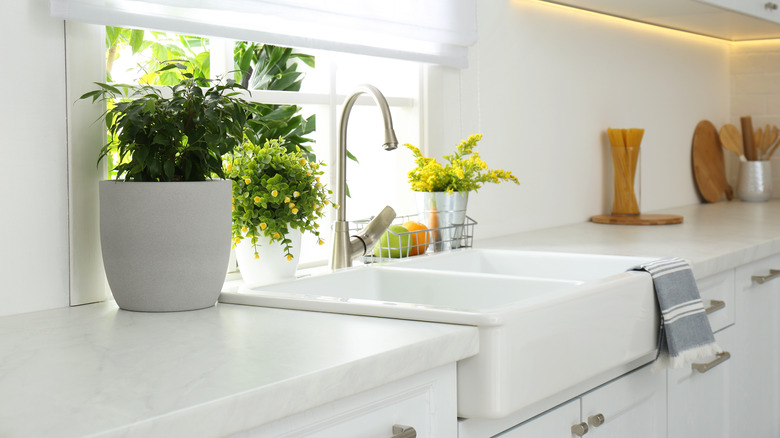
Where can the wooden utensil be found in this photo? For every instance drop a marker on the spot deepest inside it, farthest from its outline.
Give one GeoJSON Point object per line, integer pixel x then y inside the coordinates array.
{"type": "Point", "coordinates": [709, 167]}
{"type": "Point", "coordinates": [770, 144]}
{"type": "Point", "coordinates": [758, 141]}
{"type": "Point", "coordinates": [732, 140]}
{"type": "Point", "coordinates": [747, 138]}
{"type": "Point", "coordinates": [771, 151]}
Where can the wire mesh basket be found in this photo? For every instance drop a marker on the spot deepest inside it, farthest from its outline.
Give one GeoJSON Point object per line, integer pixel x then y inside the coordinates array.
{"type": "Point", "coordinates": [412, 243]}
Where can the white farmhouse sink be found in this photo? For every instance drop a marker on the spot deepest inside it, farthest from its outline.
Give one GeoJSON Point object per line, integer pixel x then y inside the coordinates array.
{"type": "Point", "coordinates": [551, 325]}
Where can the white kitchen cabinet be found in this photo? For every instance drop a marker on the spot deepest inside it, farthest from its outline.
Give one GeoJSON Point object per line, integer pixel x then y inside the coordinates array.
{"type": "Point", "coordinates": [767, 10]}
{"type": "Point", "coordinates": [426, 402]}
{"type": "Point", "coordinates": [734, 20]}
{"type": "Point", "coordinates": [698, 400]}
{"type": "Point", "coordinates": [755, 371]}
{"type": "Point", "coordinates": [633, 405]}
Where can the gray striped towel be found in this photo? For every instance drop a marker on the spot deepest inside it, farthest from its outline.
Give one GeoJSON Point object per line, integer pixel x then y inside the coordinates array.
{"type": "Point", "coordinates": [686, 334]}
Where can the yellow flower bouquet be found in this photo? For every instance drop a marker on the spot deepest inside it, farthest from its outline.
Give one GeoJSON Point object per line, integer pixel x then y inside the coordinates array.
{"type": "Point", "coordinates": [465, 171]}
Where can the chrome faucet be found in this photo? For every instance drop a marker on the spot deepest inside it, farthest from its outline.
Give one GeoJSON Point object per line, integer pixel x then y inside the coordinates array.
{"type": "Point", "coordinates": [346, 247]}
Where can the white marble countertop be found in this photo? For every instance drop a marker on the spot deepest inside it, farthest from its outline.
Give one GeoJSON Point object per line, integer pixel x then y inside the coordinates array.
{"type": "Point", "coordinates": [96, 370]}
{"type": "Point", "coordinates": [712, 237]}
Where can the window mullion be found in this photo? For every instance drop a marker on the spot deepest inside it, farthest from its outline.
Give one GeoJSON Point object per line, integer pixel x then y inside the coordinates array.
{"type": "Point", "coordinates": [221, 56]}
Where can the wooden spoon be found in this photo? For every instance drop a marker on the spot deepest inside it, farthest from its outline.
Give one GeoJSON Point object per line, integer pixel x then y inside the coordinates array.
{"type": "Point", "coordinates": [758, 142]}
{"type": "Point", "coordinates": [770, 142]}
{"type": "Point", "coordinates": [771, 151]}
{"type": "Point", "coordinates": [732, 140]}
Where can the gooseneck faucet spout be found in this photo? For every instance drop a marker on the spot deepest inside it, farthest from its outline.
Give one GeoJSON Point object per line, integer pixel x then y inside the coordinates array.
{"type": "Point", "coordinates": [346, 247]}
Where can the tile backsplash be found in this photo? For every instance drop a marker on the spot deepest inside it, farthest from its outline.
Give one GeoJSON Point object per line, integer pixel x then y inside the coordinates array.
{"type": "Point", "coordinates": [755, 91]}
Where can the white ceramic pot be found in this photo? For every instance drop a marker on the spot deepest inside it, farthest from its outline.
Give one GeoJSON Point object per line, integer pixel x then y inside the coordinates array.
{"type": "Point", "coordinates": [272, 266]}
{"type": "Point", "coordinates": [755, 181]}
{"type": "Point", "coordinates": [165, 245]}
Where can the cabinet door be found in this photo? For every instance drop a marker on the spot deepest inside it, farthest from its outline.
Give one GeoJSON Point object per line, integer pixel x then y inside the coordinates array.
{"type": "Point", "coordinates": [427, 402]}
{"type": "Point", "coordinates": [755, 371]}
{"type": "Point", "coordinates": [555, 423]}
{"type": "Point", "coordinates": [698, 402]}
{"type": "Point", "coordinates": [631, 406]}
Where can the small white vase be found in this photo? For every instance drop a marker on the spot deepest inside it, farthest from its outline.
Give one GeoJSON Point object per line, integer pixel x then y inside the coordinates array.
{"type": "Point", "coordinates": [272, 266]}
{"type": "Point", "coordinates": [755, 181]}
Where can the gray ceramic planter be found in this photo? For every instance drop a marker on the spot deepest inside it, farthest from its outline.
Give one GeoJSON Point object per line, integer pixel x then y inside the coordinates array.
{"type": "Point", "coordinates": [165, 245]}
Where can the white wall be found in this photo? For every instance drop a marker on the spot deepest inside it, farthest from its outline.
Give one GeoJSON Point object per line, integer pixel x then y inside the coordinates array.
{"type": "Point", "coordinates": [543, 85]}
{"type": "Point", "coordinates": [33, 155]}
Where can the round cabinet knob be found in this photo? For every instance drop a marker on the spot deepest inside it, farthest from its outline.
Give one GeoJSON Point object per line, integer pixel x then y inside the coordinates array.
{"type": "Point", "coordinates": [579, 429]}
{"type": "Point", "coordinates": [596, 420]}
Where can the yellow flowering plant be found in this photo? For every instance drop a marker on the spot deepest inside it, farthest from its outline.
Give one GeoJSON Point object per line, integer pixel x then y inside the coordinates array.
{"type": "Point", "coordinates": [273, 191]}
{"type": "Point", "coordinates": [465, 171]}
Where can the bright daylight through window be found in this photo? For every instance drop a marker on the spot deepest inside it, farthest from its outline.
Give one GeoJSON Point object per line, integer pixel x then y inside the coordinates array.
{"type": "Point", "coordinates": [302, 91]}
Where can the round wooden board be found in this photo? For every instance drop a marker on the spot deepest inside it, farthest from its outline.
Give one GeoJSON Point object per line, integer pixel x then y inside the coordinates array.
{"type": "Point", "coordinates": [709, 166]}
{"type": "Point", "coordinates": [642, 219]}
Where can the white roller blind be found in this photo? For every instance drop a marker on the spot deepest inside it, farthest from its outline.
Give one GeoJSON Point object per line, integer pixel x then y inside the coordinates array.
{"type": "Point", "coordinates": [434, 31]}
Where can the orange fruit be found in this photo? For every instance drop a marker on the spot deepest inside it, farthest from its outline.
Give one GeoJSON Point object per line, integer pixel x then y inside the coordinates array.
{"type": "Point", "coordinates": [418, 238]}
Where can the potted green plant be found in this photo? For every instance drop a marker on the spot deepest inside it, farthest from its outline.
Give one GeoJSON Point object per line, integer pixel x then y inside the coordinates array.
{"type": "Point", "coordinates": [442, 190]}
{"type": "Point", "coordinates": [277, 195]}
{"type": "Point", "coordinates": [165, 221]}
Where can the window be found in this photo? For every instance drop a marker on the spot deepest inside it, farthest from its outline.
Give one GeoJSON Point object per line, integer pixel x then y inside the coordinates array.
{"type": "Point", "coordinates": [378, 179]}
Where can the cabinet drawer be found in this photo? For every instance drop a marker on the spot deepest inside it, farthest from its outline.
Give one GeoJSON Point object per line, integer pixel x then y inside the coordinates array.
{"type": "Point", "coordinates": [717, 294]}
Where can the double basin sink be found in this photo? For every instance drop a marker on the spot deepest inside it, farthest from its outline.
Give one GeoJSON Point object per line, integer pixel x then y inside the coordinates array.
{"type": "Point", "coordinates": [551, 325]}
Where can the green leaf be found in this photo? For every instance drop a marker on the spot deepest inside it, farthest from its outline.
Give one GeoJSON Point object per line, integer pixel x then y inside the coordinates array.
{"type": "Point", "coordinates": [136, 40]}
{"type": "Point", "coordinates": [307, 59]}
{"type": "Point", "coordinates": [109, 88]}
{"type": "Point", "coordinates": [93, 94]}
{"type": "Point", "coordinates": [168, 166]}
{"type": "Point", "coordinates": [112, 35]}
{"type": "Point", "coordinates": [160, 52]}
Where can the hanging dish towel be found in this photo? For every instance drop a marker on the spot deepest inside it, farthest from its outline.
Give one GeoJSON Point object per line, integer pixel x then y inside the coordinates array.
{"type": "Point", "coordinates": [686, 334]}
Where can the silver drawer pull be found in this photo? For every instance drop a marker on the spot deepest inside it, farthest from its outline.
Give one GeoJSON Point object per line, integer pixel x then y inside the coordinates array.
{"type": "Point", "coordinates": [770, 6]}
{"type": "Point", "coordinates": [773, 273]}
{"type": "Point", "coordinates": [704, 367]}
{"type": "Point", "coordinates": [596, 420]}
{"type": "Point", "coordinates": [400, 431]}
{"type": "Point", "coordinates": [579, 429]}
{"type": "Point", "coordinates": [715, 305]}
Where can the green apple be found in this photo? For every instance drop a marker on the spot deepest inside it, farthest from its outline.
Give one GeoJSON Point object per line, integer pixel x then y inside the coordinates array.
{"type": "Point", "coordinates": [394, 243]}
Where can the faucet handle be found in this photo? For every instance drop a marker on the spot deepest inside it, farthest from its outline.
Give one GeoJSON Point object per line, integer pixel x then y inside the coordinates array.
{"type": "Point", "coordinates": [374, 230]}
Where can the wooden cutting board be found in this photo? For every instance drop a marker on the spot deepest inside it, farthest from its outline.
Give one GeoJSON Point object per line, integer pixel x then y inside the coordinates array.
{"type": "Point", "coordinates": [709, 166]}
{"type": "Point", "coordinates": [639, 219]}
